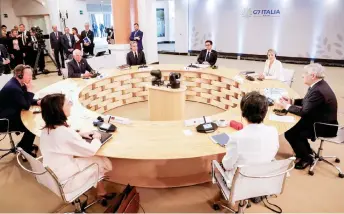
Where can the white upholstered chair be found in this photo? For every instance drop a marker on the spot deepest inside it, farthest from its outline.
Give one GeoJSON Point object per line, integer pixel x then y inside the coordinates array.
{"type": "Point", "coordinates": [339, 139]}
{"type": "Point", "coordinates": [47, 178]}
{"type": "Point", "coordinates": [250, 181]}
{"type": "Point", "coordinates": [288, 76]}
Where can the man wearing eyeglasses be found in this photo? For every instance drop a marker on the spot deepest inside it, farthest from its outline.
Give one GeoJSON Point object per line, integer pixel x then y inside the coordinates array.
{"type": "Point", "coordinates": [318, 105]}
{"type": "Point", "coordinates": [208, 55]}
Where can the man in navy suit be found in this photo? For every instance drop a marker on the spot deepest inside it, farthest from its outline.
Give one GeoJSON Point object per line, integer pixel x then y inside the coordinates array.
{"type": "Point", "coordinates": [79, 67]}
{"type": "Point", "coordinates": [137, 36]}
{"type": "Point", "coordinates": [16, 96]}
{"type": "Point", "coordinates": [208, 55]}
{"type": "Point", "coordinates": [56, 46]}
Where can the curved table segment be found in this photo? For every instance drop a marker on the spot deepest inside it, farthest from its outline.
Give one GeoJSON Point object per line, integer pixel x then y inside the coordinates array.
{"type": "Point", "coordinates": [156, 153]}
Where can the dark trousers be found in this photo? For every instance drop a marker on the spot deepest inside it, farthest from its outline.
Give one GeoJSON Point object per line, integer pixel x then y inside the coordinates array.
{"type": "Point", "coordinates": [17, 125]}
{"type": "Point", "coordinates": [41, 61]}
{"type": "Point", "coordinates": [58, 52]}
{"type": "Point", "coordinates": [89, 49]}
{"type": "Point", "coordinates": [18, 59]}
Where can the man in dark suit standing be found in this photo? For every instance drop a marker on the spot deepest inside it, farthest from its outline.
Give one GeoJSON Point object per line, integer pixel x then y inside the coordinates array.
{"type": "Point", "coordinates": [16, 96]}
{"type": "Point", "coordinates": [24, 36]}
{"type": "Point", "coordinates": [68, 42]}
{"type": "Point", "coordinates": [135, 56]}
{"type": "Point", "coordinates": [87, 37]}
{"type": "Point", "coordinates": [207, 56]}
{"type": "Point", "coordinates": [56, 46]}
{"type": "Point", "coordinates": [79, 67]}
{"type": "Point", "coordinates": [137, 36]}
{"type": "Point", "coordinates": [4, 60]}
{"type": "Point", "coordinates": [319, 105]}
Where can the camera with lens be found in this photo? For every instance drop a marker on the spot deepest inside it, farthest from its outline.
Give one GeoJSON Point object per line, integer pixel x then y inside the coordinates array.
{"type": "Point", "coordinates": [39, 36]}
{"type": "Point", "coordinates": [174, 80]}
{"type": "Point", "coordinates": [157, 78]}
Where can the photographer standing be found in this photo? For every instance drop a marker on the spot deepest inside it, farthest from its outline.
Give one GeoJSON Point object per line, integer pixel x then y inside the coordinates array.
{"type": "Point", "coordinates": [33, 46]}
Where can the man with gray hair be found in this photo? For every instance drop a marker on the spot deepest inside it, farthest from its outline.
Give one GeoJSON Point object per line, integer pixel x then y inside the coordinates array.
{"type": "Point", "coordinates": [318, 105]}
{"type": "Point", "coordinates": [79, 67]}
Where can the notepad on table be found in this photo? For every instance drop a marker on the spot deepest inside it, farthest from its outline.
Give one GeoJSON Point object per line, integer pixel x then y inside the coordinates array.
{"type": "Point", "coordinates": [221, 139]}
{"type": "Point", "coordinates": [285, 119]}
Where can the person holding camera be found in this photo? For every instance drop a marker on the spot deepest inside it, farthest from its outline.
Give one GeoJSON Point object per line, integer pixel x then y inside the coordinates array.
{"type": "Point", "coordinates": [15, 96]}
{"type": "Point", "coordinates": [79, 67]}
{"type": "Point", "coordinates": [135, 56]}
{"type": "Point", "coordinates": [33, 48]}
{"type": "Point", "coordinates": [87, 40]}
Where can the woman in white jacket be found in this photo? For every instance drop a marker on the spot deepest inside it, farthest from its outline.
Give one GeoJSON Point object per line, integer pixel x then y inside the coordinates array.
{"type": "Point", "coordinates": [273, 68]}
{"type": "Point", "coordinates": [256, 143]}
{"type": "Point", "coordinates": [66, 152]}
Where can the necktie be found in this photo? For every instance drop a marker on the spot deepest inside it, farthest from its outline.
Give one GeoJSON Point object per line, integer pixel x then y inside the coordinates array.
{"type": "Point", "coordinates": [136, 58]}
{"type": "Point", "coordinates": [23, 37]}
{"type": "Point", "coordinates": [56, 34]}
{"type": "Point", "coordinates": [207, 57]}
{"type": "Point", "coordinates": [69, 42]}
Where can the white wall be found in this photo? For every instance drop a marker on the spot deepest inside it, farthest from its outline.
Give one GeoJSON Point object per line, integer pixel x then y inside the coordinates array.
{"type": "Point", "coordinates": [6, 8]}
{"type": "Point", "coordinates": [29, 7]}
{"type": "Point", "coordinates": [74, 18]}
{"type": "Point", "coordinates": [181, 24]}
{"type": "Point", "coordinates": [171, 17]}
{"type": "Point", "coordinates": [307, 28]}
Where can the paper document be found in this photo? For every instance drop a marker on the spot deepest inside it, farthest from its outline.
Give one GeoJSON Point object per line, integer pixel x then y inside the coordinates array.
{"type": "Point", "coordinates": [187, 132]}
{"type": "Point", "coordinates": [285, 119]}
{"type": "Point", "coordinates": [275, 93]}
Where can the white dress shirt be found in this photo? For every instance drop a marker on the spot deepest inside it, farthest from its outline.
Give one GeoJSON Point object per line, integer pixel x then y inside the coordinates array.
{"type": "Point", "coordinates": [66, 153]}
{"type": "Point", "coordinates": [255, 144]}
{"type": "Point", "coordinates": [275, 71]}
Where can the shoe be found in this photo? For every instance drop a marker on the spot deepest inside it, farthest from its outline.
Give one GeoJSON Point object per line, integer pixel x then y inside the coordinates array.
{"type": "Point", "coordinates": [303, 163]}
{"type": "Point", "coordinates": [256, 200]}
{"type": "Point", "coordinates": [103, 200]}
{"type": "Point", "coordinates": [59, 73]}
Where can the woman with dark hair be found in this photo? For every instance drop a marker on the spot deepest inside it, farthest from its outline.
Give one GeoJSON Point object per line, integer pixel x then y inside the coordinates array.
{"type": "Point", "coordinates": [256, 143]}
{"type": "Point", "coordinates": [66, 152]}
{"type": "Point", "coordinates": [77, 38]}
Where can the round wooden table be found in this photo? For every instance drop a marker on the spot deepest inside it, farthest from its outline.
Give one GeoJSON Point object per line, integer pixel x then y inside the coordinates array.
{"type": "Point", "coordinates": [156, 153]}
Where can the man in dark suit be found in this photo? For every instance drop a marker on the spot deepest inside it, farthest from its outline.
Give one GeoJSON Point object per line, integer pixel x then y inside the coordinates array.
{"type": "Point", "coordinates": [207, 56]}
{"type": "Point", "coordinates": [87, 37]}
{"type": "Point", "coordinates": [135, 56]}
{"type": "Point", "coordinates": [33, 52]}
{"type": "Point", "coordinates": [24, 36]}
{"type": "Point", "coordinates": [4, 60]}
{"type": "Point", "coordinates": [16, 96]}
{"type": "Point", "coordinates": [79, 67]}
{"type": "Point", "coordinates": [319, 105]}
{"type": "Point", "coordinates": [68, 42]}
{"type": "Point", "coordinates": [137, 36]}
{"type": "Point", "coordinates": [15, 49]}
{"type": "Point", "coordinates": [56, 46]}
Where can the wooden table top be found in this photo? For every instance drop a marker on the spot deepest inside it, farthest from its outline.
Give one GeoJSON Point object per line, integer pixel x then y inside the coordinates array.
{"type": "Point", "coordinates": [152, 140]}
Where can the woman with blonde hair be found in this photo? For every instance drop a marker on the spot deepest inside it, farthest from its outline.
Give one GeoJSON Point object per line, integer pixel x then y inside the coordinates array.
{"type": "Point", "coordinates": [273, 68]}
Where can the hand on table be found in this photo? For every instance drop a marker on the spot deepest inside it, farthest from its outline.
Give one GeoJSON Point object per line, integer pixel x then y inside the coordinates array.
{"type": "Point", "coordinates": [283, 103]}
{"type": "Point", "coordinates": [87, 74]}
{"type": "Point", "coordinates": [94, 135]}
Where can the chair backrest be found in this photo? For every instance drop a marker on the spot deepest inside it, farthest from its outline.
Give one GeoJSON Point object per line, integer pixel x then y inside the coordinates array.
{"type": "Point", "coordinates": [260, 180]}
{"type": "Point", "coordinates": [43, 174]}
{"type": "Point", "coordinates": [288, 76]}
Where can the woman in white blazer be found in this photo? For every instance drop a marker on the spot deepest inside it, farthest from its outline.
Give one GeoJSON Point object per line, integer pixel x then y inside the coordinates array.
{"type": "Point", "coordinates": [273, 68]}
{"type": "Point", "coordinates": [256, 143]}
{"type": "Point", "coordinates": [65, 151]}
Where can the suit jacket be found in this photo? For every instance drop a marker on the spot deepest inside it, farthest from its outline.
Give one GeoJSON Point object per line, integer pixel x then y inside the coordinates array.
{"type": "Point", "coordinates": [13, 99]}
{"type": "Point", "coordinates": [131, 60]}
{"type": "Point", "coordinates": [137, 34]}
{"type": "Point", "coordinates": [11, 46]}
{"type": "Point", "coordinates": [212, 58]}
{"type": "Point", "coordinates": [319, 105]}
{"type": "Point", "coordinates": [89, 34]}
{"type": "Point", "coordinates": [55, 43]}
{"type": "Point", "coordinates": [255, 144]}
{"type": "Point", "coordinates": [65, 43]}
{"type": "Point", "coordinates": [74, 71]}
{"type": "Point", "coordinates": [4, 54]}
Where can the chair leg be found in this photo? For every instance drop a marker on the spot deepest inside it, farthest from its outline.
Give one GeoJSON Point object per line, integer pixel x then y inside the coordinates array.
{"type": "Point", "coordinates": [77, 205]}
{"type": "Point", "coordinates": [311, 172]}
{"type": "Point", "coordinates": [338, 169]}
{"type": "Point", "coordinates": [12, 150]}
{"type": "Point", "coordinates": [242, 206]}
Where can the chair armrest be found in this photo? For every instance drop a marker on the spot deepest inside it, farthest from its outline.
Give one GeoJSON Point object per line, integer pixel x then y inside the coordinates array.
{"type": "Point", "coordinates": [216, 165]}
{"type": "Point", "coordinates": [27, 170]}
{"type": "Point", "coordinates": [272, 175]}
{"type": "Point", "coordinates": [326, 124]}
